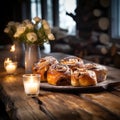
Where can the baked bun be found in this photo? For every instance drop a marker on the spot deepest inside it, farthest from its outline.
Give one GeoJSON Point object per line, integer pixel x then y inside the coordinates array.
{"type": "Point", "coordinates": [101, 71]}
{"type": "Point", "coordinates": [72, 61]}
{"type": "Point", "coordinates": [42, 66]}
{"type": "Point", "coordinates": [83, 77]}
{"type": "Point", "coordinates": [58, 74]}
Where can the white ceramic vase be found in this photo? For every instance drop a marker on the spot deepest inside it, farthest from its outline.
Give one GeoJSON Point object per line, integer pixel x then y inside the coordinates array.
{"type": "Point", "coordinates": [32, 55]}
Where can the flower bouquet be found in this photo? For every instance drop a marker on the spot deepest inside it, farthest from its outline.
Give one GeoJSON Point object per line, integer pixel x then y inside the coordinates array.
{"type": "Point", "coordinates": [34, 34]}
{"type": "Point", "coordinates": [37, 31]}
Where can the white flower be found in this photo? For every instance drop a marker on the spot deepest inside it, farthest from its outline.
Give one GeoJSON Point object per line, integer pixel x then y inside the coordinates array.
{"type": "Point", "coordinates": [47, 31]}
{"type": "Point", "coordinates": [26, 21]}
{"type": "Point", "coordinates": [7, 30]}
{"type": "Point", "coordinates": [21, 29]}
{"type": "Point", "coordinates": [31, 36]}
{"type": "Point", "coordinates": [51, 36]}
{"type": "Point", "coordinates": [46, 27]}
{"type": "Point", "coordinates": [37, 31]}
{"type": "Point", "coordinates": [30, 26]}
{"type": "Point", "coordinates": [36, 19]}
{"type": "Point", "coordinates": [44, 22]}
{"type": "Point", "coordinates": [16, 35]}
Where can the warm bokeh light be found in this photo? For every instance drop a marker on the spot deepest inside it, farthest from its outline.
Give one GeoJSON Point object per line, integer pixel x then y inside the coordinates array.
{"type": "Point", "coordinates": [12, 48]}
{"type": "Point", "coordinates": [10, 66]}
{"type": "Point", "coordinates": [7, 60]}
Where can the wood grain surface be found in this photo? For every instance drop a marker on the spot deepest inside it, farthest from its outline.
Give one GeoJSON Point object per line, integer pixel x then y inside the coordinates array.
{"type": "Point", "coordinates": [59, 105]}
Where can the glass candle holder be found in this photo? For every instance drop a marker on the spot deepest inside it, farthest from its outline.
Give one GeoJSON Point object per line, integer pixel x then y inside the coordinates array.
{"type": "Point", "coordinates": [10, 67]}
{"type": "Point", "coordinates": [31, 84]}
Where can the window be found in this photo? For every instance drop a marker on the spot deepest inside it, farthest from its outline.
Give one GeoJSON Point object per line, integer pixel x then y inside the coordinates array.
{"type": "Point", "coordinates": [49, 11]}
{"type": "Point", "coordinates": [115, 21]}
{"type": "Point", "coordinates": [65, 21]}
{"type": "Point", "coordinates": [35, 8]}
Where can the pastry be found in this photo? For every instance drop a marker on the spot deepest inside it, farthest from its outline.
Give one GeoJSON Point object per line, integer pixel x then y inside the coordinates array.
{"type": "Point", "coordinates": [101, 71]}
{"type": "Point", "coordinates": [41, 67]}
{"type": "Point", "coordinates": [72, 61]}
{"type": "Point", "coordinates": [58, 74]}
{"type": "Point", "coordinates": [83, 77]}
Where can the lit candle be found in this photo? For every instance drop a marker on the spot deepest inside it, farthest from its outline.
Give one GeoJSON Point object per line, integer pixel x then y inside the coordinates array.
{"type": "Point", "coordinates": [31, 84]}
{"type": "Point", "coordinates": [10, 66]}
{"type": "Point", "coordinates": [7, 60]}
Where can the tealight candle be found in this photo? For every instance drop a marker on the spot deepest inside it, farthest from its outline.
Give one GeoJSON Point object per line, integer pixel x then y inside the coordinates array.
{"type": "Point", "coordinates": [10, 66]}
{"type": "Point", "coordinates": [31, 84]}
{"type": "Point", "coordinates": [7, 60]}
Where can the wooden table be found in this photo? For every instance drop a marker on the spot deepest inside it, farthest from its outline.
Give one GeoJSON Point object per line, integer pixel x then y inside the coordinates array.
{"type": "Point", "coordinates": [102, 105]}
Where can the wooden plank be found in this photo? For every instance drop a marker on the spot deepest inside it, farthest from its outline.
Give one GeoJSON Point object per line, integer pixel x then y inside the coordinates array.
{"type": "Point", "coordinates": [105, 100]}
{"type": "Point", "coordinates": [115, 92]}
{"type": "Point", "coordinates": [17, 104]}
{"type": "Point", "coordinates": [61, 106]}
{"type": "Point", "coordinates": [68, 106]}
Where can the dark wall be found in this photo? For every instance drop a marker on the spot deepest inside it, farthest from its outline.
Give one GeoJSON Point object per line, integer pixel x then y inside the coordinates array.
{"type": "Point", "coordinates": [10, 10]}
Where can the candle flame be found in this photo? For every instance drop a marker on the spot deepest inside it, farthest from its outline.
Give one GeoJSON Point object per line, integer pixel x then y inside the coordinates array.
{"type": "Point", "coordinates": [31, 79]}
{"type": "Point", "coordinates": [8, 60]}
{"type": "Point", "coordinates": [12, 48]}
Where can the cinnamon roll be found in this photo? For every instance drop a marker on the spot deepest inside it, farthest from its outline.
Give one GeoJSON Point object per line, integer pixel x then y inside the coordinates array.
{"type": "Point", "coordinates": [58, 74]}
{"type": "Point", "coordinates": [72, 61]}
{"type": "Point", "coordinates": [42, 66]}
{"type": "Point", "coordinates": [83, 77]}
{"type": "Point", "coordinates": [101, 71]}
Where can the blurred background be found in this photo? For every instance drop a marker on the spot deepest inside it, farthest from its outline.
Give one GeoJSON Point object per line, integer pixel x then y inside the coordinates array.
{"type": "Point", "coordinates": [89, 29]}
